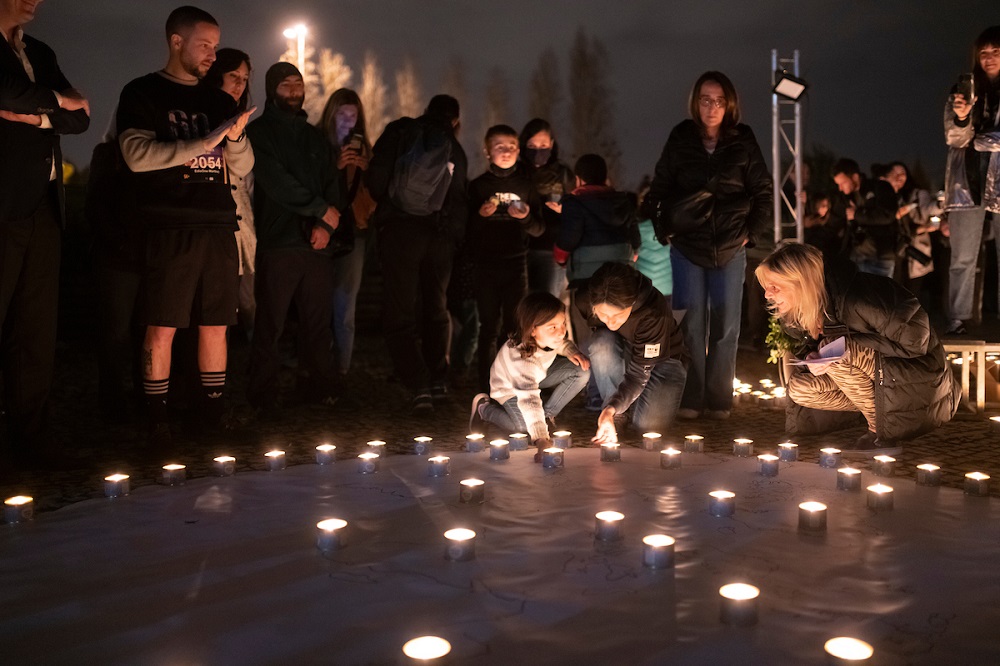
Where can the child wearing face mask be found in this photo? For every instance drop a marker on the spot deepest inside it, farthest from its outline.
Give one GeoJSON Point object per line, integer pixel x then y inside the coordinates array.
{"type": "Point", "coordinates": [537, 356]}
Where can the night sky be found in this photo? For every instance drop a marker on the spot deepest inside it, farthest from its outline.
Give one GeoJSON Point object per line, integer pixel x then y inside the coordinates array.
{"type": "Point", "coordinates": [879, 71]}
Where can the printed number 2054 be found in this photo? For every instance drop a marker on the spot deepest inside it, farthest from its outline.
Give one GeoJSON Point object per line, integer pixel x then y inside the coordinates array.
{"type": "Point", "coordinates": [205, 162]}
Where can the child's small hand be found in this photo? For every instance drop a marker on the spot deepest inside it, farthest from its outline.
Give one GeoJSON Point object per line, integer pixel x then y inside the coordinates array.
{"type": "Point", "coordinates": [488, 208]}
{"type": "Point", "coordinates": [554, 205]}
{"type": "Point", "coordinates": [580, 360]}
{"type": "Point", "coordinates": [518, 210]}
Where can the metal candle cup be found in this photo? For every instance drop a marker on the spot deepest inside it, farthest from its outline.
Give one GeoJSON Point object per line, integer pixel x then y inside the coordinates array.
{"type": "Point", "coordinates": [694, 444]}
{"type": "Point", "coordinates": [174, 474]}
{"type": "Point", "coordinates": [767, 464]}
{"type": "Point", "coordinates": [742, 447]}
{"type": "Point", "coordinates": [116, 485]}
{"type": "Point", "coordinates": [739, 604]}
{"type": "Point", "coordinates": [460, 545]}
{"type": "Point", "coordinates": [422, 445]}
{"type": "Point", "coordinates": [552, 457]}
{"type": "Point", "coordinates": [670, 459]}
{"type": "Point", "coordinates": [812, 517]}
{"type": "Point", "coordinates": [608, 526]}
{"type": "Point", "coordinates": [562, 439]}
{"type": "Point", "coordinates": [829, 458]}
{"type": "Point", "coordinates": [844, 651]}
{"type": "Point", "coordinates": [721, 503]}
{"type": "Point", "coordinates": [658, 551]}
{"type": "Point", "coordinates": [611, 452]}
{"type": "Point", "coordinates": [438, 466]}
{"type": "Point", "coordinates": [883, 465]}
{"type": "Point", "coordinates": [471, 491]}
{"type": "Point", "coordinates": [518, 441]}
{"type": "Point", "coordinates": [426, 649]}
{"type": "Point", "coordinates": [788, 452]}
{"type": "Point", "coordinates": [780, 397]}
{"type": "Point", "coordinates": [499, 450]}
{"type": "Point", "coordinates": [880, 497]}
{"type": "Point", "coordinates": [928, 475]}
{"type": "Point", "coordinates": [18, 509]}
{"type": "Point", "coordinates": [474, 442]}
{"type": "Point", "coordinates": [377, 446]}
{"type": "Point", "coordinates": [330, 534]}
{"type": "Point", "coordinates": [849, 478]}
{"type": "Point", "coordinates": [766, 401]}
{"type": "Point", "coordinates": [275, 461]}
{"type": "Point", "coordinates": [326, 454]}
{"type": "Point", "coordinates": [368, 463]}
{"type": "Point", "coordinates": [651, 441]}
{"type": "Point", "coordinates": [224, 465]}
{"type": "Point", "coordinates": [995, 424]}
{"type": "Point", "coordinates": [977, 484]}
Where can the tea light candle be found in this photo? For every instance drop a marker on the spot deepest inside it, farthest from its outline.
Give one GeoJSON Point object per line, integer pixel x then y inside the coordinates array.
{"type": "Point", "coordinates": [849, 478]}
{"type": "Point", "coordinates": [880, 497]}
{"type": "Point", "coordinates": [611, 452]}
{"type": "Point", "coordinates": [721, 503]}
{"type": "Point", "coordinates": [780, 397]}
{"type": "Point", "coordinates": [368, 463]}
{"type": "Point", "coordinates": [552, 457]}
{"type": "Point", "coordinates": [755, 396]}
{"type": "Point", "coordinates": [224, 465]}
{"type": "Point", "coordinates": [883, 465]}
{"type": "Point", "coordinates": [474, 442]}
{"type": "Point", "coordinates": [739, 604]}
{"type": "Point", "coordinates": [694, 444]}
{"type": "Point", "coordinates": [651, 441]}
{"type": "Point", "coordinates": [18, 509]}
{"type": "Point", "coordinates": [275, 460]}
{"type": "Point", "coordinates": [846, 651]}
{"type": "Point", "coordinates": [743, 448]}
{"type": "Point", "coordinates": [670, 458]}
{"type": "Point", "coordinates": [426, 648]}
{"type": "Point", "coordinates": [766, 401]}
{"type": "Point", "coordinates": [812, 517]}
{"type": "Point", "coordinates": [460, 545]}
{"type": "Point", "coordinates": [472, 491]}
{"type": "Point", "coordinates": [325, 454]}
{"type": "Point", "coordinates": [829, 457]}
{"type": "Point", "coordinates": [609, 526]}
{"type": "Point", "coordinates": [767, 383]}
{"type": "Point", "coordinates": [116, 485]}
{"type": "Point", "coordinates": [744, 392]}
{"type": "Point", "coordinates": [995, 424]}
{"type": "Point", "coordinates": [788, 452]}
{"type": "Point", "coordinates": [928, 475]}
{"type": "Point", "coordinates": [518, 441]}
{"type": "Point", "coordinates": [499, 450]}
{"type": "Point", "coordinates": [174, 474]}
{"type": "Point", "coordinates": [658, 551]}
{"type": "Point", "coordinates": [377, 446]}
{"type": "Point", "coordinates": [422, 445]}
{"type": "Point", "coordinates": [767, 464]}
{"type": "Point", "coordinates": [977, 484]}
{"type": "Point", "coordinates": [330, 534]}
{"type": "Point", "coordinates": [438, 466]}
{"type": "Point", "coordinates": [562, 439]}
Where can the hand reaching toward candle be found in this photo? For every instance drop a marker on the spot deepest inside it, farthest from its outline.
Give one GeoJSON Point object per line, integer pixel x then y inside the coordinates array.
{"type": "Point", "coordinates": [606, 432]}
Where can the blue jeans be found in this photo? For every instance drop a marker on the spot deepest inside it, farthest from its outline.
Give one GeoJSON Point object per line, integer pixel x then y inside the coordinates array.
{"type": "Point", "coordinates": [346, 285]}
{"type": "Point", "coordinates": [713, 298]}
{"type": "Point", "coordinates": [966, 238]}
{"type": "Point", "coordinates": [656, 406]}
{"type": "Point", "coordinates": [564, 377]}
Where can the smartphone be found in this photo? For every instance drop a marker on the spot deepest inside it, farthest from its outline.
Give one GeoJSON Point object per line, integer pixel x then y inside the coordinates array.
{"type": "Point", "coordinates": [355, 142]}
{"type": "Point", "coordinates": [967, 87]}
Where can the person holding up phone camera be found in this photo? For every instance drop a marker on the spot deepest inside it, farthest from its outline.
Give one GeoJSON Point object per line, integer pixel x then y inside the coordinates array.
{"type": "Point", "coordinates": [972, 177]}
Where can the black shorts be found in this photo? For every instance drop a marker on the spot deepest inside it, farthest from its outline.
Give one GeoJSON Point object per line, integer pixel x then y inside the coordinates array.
{"type": "Point", "coordinates": [191, 278]}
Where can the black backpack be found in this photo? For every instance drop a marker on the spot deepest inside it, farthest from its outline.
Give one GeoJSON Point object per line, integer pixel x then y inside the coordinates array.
{"type": "Point", "coordinates": [422, 173]}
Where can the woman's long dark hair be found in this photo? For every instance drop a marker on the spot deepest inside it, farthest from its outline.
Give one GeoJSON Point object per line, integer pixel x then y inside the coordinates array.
{"type": "Point", "coordinates": [344, 97]}
{"type": "Point", "coordinates": [533, 127]}
{"type": "Point", "coordinates": [229, 60]}
{"type": "Point", "coordinates": [534, 310]}
{"type": "Point", "coordinates": [732, 117]}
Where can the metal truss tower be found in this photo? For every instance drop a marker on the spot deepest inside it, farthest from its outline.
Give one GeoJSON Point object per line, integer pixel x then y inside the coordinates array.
{"type": "Point", "coordinates": [786, 114]}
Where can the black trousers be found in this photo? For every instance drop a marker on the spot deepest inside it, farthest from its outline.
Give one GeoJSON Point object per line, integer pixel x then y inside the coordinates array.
{"type": "Point", "coordinates": [500, 286]}
{"type": "Point", "coordinates": [305, 278]}
{"type": "Point", "coordinates": [416, 264]}
{"type": "Point", "coordinates": [119, 350]}
{"type": "Point", "coordinates": [29, 300]}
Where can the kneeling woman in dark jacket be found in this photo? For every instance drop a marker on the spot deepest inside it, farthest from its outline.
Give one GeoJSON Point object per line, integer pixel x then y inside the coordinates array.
{"type": "Point", "coordinates": [893, 370]}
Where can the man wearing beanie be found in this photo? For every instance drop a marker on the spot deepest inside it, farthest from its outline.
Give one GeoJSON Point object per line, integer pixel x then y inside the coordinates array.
{"type": "Point", "coordinates": [296, 199]}
{"type": "Point", "coordinates": [181, 142]}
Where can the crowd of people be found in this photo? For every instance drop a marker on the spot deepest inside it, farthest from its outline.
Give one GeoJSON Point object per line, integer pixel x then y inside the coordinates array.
{"type": "Point", "coordinates": [543, 280]}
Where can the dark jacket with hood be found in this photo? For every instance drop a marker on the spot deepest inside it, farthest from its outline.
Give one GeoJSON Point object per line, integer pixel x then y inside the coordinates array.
{"type": "Point", "coordinates": [651, 336]}
{"type": "Point", "coordinates": [553, 180]}
{"type": "Point", "coordinates": [598, 225]}
{"type": "Point", "coordinates": [502, 236]}
{"type": "Point", "coordinates": [735, 172]}
{"type": "Point", "coordinates": [915, 390]}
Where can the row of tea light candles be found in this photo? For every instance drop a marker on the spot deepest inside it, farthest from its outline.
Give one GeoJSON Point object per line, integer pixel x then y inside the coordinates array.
{"type": "Point", "coordinates": [771, 397]}
{"type": "Point", "coordinates": [21, 508]}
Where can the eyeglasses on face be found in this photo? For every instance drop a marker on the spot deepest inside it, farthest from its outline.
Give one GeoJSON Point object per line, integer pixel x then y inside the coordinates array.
{"type": "Point", "coordinates": [707, 102]}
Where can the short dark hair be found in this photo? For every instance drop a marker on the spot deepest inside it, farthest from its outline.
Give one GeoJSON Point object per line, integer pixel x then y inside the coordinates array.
{"type": "Point", "coordinates": [591, 169]}
{"type": "Point", "coordinates": [846, 166]}
{"type": "Point", "coordinates": [732, 116]}
{"type": "Point", "coordinates": [499, 130]}
{"type": "Point", "coordinates": [182, 19]}
{"type": "Point", "coordinates": [229, 60]}
{"type": "Point", "coordinates": [533, 310]}
{"type": "Point", "coordinates": [443, 106]}
{"type": "Point", "coordinates": [615, 284]}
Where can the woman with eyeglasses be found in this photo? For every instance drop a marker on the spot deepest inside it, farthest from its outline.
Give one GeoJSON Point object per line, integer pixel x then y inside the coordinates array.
{"type": "Point", "coordinates": [711, 197]}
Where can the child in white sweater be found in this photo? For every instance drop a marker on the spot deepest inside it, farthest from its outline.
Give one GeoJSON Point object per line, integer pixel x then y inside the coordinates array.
{"type": "Point", "coordinates": [537, 356]}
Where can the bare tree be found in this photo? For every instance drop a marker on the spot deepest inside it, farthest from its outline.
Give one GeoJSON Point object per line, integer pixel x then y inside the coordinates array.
{"type": "Point", "coordinates": [592, 113]}
{"type": "Point", "coordinates": [545, 94]}
{"type": "Point", "coordinates": [332, 73]}
{"type": "Point", "coordinates": [409, 98]}
{"type": "Point", "coordinates": [453, 82]}
{"type": "Point", "coordinates": [497, 100]}
{"type": "Point", "coordinates": [310, 76]}
{"type": "Point", "coordinates": [374, 96]}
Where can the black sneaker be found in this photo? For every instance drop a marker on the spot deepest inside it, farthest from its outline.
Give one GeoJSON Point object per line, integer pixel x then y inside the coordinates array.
{"type": "Point", "coordinates": [476, 422]}
{"type": "Point", "coordinates": [869, 446]}
{"type": "Point", "coordinates": [439, 391]}
{"type": "Point", "coordinates": [422, 404]}
{"type": "Point", "coordinates": [956, 327]}
{"type": "Point", "coordinates": [158, 436]}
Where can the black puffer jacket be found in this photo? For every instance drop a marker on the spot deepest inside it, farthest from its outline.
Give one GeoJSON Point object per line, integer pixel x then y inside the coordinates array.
{"type": "Point", "coordinates": [915, 390]}
{"type": "Point", "coordinates": [744, 201]}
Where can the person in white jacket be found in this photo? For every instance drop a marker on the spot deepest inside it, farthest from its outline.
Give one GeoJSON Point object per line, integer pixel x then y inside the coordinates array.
{"type": "Point", "coordinates": [537, 356]}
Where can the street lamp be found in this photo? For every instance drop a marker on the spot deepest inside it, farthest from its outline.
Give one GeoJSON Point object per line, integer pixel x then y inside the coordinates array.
{"type": "Point", "coordinates": [298, 32]}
